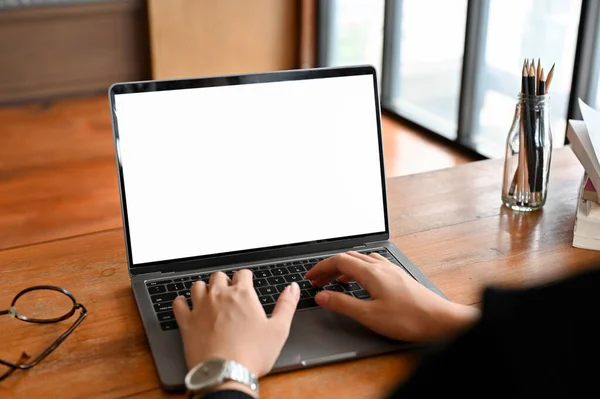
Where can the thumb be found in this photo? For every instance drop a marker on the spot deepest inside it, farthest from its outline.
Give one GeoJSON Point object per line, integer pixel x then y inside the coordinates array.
{"type": "Point", "coordinates": [342, 303]}
{"type": "Point", "coordinates": [286, 306]}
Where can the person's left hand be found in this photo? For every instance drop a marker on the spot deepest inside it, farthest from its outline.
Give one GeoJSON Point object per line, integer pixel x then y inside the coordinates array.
{"type": "Point", "coordinates": [227, 321]}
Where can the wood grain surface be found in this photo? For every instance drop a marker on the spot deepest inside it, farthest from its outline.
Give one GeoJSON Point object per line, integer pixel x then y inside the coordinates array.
{"type": "Point", "coordinates": [450, 222]}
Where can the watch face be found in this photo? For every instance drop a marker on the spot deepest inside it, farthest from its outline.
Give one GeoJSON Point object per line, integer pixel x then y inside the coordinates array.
{"type": "Point", "coordinates": [207, 372]}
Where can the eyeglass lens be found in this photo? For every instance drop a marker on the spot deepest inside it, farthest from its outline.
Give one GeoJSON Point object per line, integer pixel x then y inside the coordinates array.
{"type": "Point", "coordinates": [43, 305]}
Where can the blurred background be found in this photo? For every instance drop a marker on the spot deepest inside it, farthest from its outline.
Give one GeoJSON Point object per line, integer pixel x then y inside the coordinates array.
{"type": "Point", "coordinates": [449, 70]}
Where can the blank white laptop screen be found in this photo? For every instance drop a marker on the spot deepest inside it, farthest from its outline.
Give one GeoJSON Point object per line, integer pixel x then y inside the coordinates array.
{"type": "Point", "coordinates": [230, 168]}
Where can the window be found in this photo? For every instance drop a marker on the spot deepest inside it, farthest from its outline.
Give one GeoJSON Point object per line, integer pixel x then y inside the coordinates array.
{"type": "Point", "coordinates": [453, 66]}
{"type": "Point", "coordinates": [427, 64]}
{"type": "Point", "coordinates": [545, 29]}
{"type": "Point", "coordinates": [354, 32]}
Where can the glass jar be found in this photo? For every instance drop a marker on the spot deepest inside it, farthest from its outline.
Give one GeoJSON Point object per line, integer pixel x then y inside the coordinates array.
{"type": "Point", "coordinates": [528, 154]}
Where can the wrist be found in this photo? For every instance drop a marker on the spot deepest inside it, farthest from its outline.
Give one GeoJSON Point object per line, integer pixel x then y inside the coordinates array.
{"type": "Point", "coordinates": [462, 317]}
{"type": "Point", "coordinates": [234, 386]}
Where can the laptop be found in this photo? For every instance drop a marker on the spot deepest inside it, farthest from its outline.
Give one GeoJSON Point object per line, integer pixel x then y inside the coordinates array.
{"type": "Point", "coordinates": [269, 171]}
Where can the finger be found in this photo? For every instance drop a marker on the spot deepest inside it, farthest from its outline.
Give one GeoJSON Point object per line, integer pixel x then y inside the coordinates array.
{"type": "Point", "coordinates": [376, 256]}
{"type": "Point", "coordinates": [343, 304]}
{"type": "Point", "coordinates": [198, 291]}
{"type": "Point", "coordinates": [344, 279]}
{"type": "Point", "coordinates": [243, 278]}
{"type": "Point", "coordinates": [338, 265]}
{"type": "Point", "coordinates": [218, 280]}
{"type": "Point", "coordinates": [358, 255]}
{"type": "Point", "coordinates": [285, 307]}
{"type": "Point", "coordinates": [182, 311]}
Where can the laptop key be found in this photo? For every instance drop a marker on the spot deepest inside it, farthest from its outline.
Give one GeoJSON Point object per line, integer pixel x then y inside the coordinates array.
{"type": "Point", "coordinates": [351, 286]}
{"type": "Point", "coordinates": [280, 271]}
{"type": "Point", "coordinates": [306, 303]}
{"type": "Point", "coordinates": [188, 284]}
{"type": "Point", "coordinates": [262, 274]}
{"type": "Point", "coordinates": [312, 292]}
{"type": "Point", "coordinates": [175, 287]}
{"type": "Point", "coordinates": [290, 278]}
{"type": "Point", "coordinates": [281, 287]}
{"type": "Point", "coordinates": [157, 289]}
{"type": "Point", "coordinates": [266, 299]}
{"type": "Point", "coordinates": [362, 294]}
{"type": "Point", "coordinates": [189, 302]}
{"type": "Point", "coordinates": [260, 282]}
{"type": "Point", "coordinates": [296, 269]}
{"type": "Point", "coordinates": [165, 316]}
{"type": "Point", "coordinates": [265, 267]}
{"type": "Point", "coordinates": [153, 283]}
{"type": "Point", "coordinates": [167, 297]}
{"type": "Point", "coordinates": [304, 294]}
{"type": "Point", "coordinates": [276, 280]}
{"type": "Point", "coordinates": [267, 290]}
{"type": "Point", "coordinates": [169, 325]}
{"type": "Point", "coordinates": [268, 308]}
{"type": "Point", "coordinates": [186, 293]}
{"type": "Point", "coordinates": [177, 280]}
{"type": "Point", "coordinates": [305, 284]}
{"type": "Point", "coordinates": [163, 306]}
{"type": "Point", "coordinates": [336, 287]}
{"type": "Point", "coordinates": [309, 266]}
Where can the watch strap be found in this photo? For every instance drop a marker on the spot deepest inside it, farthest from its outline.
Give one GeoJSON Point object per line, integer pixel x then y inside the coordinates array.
{"type": "Point", "coordinates": [239, 373]}
{"type": "Point", "coordinates": [222, 394]}
{"type": "Point", "coordinates": [232, 371]}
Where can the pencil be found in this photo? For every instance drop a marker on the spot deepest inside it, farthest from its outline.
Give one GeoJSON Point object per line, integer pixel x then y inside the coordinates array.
{"type": "Point", "coordinates": [530, 130]}
{"type": "Point", "coordinates": [541, 139]}
{"type": "Point", "coordinates": [535, 73]}
{"type": "Point", "coordinates": [523, 133]}
{"type": "Point", "coordinates": [549, 78]}
{"type": "Point", "coordinates": [542, 85]}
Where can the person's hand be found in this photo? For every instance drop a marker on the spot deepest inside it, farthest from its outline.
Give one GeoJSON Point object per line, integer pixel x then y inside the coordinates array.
{"type": "Point", "coordinates": [227, 321]}
{"type": "Point", "coordinates": [400, 307]}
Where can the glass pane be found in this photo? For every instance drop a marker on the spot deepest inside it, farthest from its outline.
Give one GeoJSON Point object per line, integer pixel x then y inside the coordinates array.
{"type": "Point", "coordinates": [427, 56]}
{"type": "Point", "coordinates": [355, 33]}
{"type": "Point", "coordinates": [517, 29]}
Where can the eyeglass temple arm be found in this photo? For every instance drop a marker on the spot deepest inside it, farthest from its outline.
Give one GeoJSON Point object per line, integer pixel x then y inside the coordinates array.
{"type": "Point", "coordinates": [7, 311]}
{"type": "Point", "coordinates": [59, 340]}
{"type": "Point", "coordinates": [49, 350]}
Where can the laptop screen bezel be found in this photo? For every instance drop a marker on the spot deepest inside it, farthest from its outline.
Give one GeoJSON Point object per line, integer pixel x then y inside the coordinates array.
{"type": "Point", "coordinates": [252, 255]}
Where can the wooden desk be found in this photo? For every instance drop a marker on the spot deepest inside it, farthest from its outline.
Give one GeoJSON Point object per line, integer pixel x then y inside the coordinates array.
{"type": "Point", "coordinates": [449, 222]}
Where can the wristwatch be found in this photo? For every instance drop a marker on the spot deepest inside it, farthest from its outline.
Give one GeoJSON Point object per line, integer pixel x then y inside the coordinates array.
{"type": "Point", "coordinates": [212, 372]}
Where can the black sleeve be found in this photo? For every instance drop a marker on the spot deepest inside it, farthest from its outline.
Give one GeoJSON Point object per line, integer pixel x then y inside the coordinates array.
{"type": "Point", "coordinates": [228, 394]}
{"type": "Point", "coordinates": [538, 342]}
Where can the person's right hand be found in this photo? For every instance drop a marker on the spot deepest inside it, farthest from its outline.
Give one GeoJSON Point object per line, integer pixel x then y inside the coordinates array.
{"type": "Point", "coordinates": [400, 307]}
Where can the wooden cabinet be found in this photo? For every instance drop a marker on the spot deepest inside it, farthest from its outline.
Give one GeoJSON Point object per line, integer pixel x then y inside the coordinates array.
{"type": "Point", "coordinates": [214, 37]}
{"type": "Point", "coordinates": [63, 49]}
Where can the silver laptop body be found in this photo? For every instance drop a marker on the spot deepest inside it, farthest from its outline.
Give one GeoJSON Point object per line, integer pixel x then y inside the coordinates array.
{"type": "Point", "coordinates": [264, 171]}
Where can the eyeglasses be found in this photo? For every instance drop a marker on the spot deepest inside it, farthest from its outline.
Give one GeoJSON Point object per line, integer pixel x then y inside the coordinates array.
{"type": "Point", "coordinates": [39, 303]}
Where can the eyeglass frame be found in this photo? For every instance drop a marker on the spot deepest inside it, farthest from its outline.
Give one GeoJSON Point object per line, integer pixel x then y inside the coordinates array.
{"type": "Point", "coordinates": [20, 364]}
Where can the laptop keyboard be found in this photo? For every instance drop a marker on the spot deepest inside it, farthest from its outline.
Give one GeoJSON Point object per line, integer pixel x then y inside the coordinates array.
{"type": "Point", "coordinates": [269, 281]}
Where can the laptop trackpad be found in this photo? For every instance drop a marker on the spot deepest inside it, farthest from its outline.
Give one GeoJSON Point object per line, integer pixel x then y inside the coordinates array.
{"type": "Point", "coordinates": [319, 336]}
